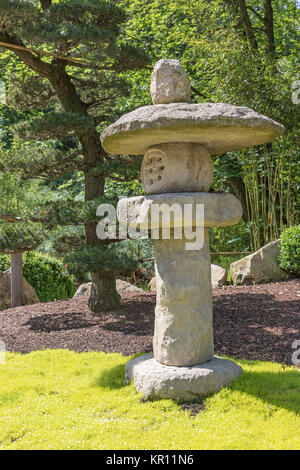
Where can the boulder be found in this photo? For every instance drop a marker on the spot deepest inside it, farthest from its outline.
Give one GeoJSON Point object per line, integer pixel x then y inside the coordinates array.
{"type": "Point", "coordinates": [126, 286]}
{"type": "Point", "coordinates": [261, 266]}
{"type": "Point", "coordinates": [218, 278]}
{"type": "Point", "coordinates": [29, 295]}
{"type": "Point", "coordinates": [85, 289]}
{"type": "Point", "coordinates": [152, 284]}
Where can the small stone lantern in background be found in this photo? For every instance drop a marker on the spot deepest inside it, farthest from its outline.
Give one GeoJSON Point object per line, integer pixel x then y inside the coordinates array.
{"type": "Point", "coordinates": [177, 139]}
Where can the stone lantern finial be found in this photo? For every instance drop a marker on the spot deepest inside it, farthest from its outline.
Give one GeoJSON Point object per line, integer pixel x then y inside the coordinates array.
{"type": "Point", "coordinates": [170, 83]}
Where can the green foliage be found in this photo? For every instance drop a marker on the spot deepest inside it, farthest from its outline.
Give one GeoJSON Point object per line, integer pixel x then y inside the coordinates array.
{"type": "Point", "coordinates": [37, 160]}
{"type": "Point", "coordinates": [53, 125]}
{"type": "Point", "coordinates": [27, 91]}
{"type": "Point", "coordinates": [47, 275]}
{"type": "Point", "coordinates": [209, 40]}
{"type": "Point", "coordinates": [289, 257]}
{"type": "Point", "coordinates": [234, 238]}
{"type": "Point", "coordinates": [114, 257]}
{"type": "Point", "coordinates": [20, 236]}
{"type": "Point", "coordinates": [66, 101]}
{"type": "Point", "coordinates": [59, 399]}
{"type": "Point", "coordinates": [124, 188]}
{"type": "Point", "coordinates": [4, 262]}
{"type": "Point", "coordinates": [139, 250]}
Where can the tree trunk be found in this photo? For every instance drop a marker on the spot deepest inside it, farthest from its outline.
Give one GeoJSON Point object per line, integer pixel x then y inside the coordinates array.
{"type": "Point", "coordinates": [104, 296]}
{"type": "Point", "coordinates": [239, 190]}
{"type": "Point", "coordinates": [269, 26]}
{"type": "Point", "coordinates": [16, 279]}
{"type": "Point", "coordinates": [247, 25]}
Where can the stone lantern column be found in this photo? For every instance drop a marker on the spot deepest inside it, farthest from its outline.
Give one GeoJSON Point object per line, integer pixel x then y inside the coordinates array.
{"type": "Point", "coordinates": [183, 333]}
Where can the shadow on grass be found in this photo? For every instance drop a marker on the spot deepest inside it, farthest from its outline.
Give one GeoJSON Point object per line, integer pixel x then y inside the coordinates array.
{"type": "Point", "coordinates": [112, 378]}
{"type": "Point", "coordinates": [280, 389]}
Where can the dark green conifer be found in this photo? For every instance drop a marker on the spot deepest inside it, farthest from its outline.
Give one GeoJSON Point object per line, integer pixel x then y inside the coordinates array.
{"type": "Point", "coordinates": [76, 61]}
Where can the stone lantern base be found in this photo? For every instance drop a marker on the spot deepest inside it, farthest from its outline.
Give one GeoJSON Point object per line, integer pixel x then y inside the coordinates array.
{"type": "Point", "coordinates": [156, 381]}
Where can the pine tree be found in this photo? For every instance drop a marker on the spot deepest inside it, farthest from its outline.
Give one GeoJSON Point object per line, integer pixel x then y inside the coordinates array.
{"type": "Point", "coordinates": [76, 62]}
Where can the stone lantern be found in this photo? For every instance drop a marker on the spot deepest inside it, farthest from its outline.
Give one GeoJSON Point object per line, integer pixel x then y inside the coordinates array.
{"type": "Point", "coordinates": [177, 139]}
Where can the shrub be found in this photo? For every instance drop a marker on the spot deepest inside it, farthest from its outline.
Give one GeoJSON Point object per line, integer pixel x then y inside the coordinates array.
{"type": "Point", "coordinates": [4, 262]}
{"type": "Point", "coordinates": [289, 257]}
{"type": "Point", "coordinates": [47, 275]}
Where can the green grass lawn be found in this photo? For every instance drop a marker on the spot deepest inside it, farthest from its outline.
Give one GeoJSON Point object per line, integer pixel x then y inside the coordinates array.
{"type": "Point", "coordinates": [58, 399]}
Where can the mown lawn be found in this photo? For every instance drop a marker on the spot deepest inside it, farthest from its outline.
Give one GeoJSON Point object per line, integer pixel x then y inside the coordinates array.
{"type": "Point", "coordinates": [59, 399]}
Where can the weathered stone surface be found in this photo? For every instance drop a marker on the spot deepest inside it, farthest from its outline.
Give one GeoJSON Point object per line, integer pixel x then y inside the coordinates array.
{"type": "Point", "coordinates": [157, 381]}
{"type": "Point", "coordinates": [152, 284]}
{"type": "Point", "coordinates": [170, 83]}
{"type": "Point", "coordinates": [219, 127]}
{"type": "Point", "coordinates": [183, 334]}
{"type": "Point", "coordinates": [29, 295]}
{"type": "Point", "coordinates": [176, 168]}
{"type": "Point", "coordinates": [85, 289]}
{"type": "Point", "coordinates": [218, 276]}
{"type": "Point", "coordinates": [261, 266]}
{"type": "Point", "coordinates": [123, 285]}
{"type": "Point", "coordinates": [220, 209]}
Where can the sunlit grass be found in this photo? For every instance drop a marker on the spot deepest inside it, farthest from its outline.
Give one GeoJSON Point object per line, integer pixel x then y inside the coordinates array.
{"type": "Point", "coordinates": [58, 399]}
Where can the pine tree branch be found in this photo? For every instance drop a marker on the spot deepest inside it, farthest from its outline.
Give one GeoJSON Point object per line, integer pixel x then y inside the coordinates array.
{"type": "Point", "coordinates": [73, 61]}
{"type": "Point", "coordinates": [196, 92]}
{"type": "Point", "coordinates": [9, 218]}
{"type": "Point", "coordinates": [17, 46]}
{"type": "Point", "coordinates": [34, 162]}
{"type": "Point", "coordinates": [93, 104]}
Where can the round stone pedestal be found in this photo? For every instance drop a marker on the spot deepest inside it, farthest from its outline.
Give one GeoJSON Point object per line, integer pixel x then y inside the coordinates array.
{"type": "Point", "coordinates": [156, 381]}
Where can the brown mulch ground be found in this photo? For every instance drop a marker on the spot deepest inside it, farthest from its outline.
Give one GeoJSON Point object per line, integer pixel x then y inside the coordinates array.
{"type": "Point", "coordinates": [250, 322]}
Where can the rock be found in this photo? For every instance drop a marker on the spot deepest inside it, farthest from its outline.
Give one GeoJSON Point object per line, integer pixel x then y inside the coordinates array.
{"type": "Point", "coordinates": [156, 381]}
{"type": "Point", "coordinates": [152, 285]}
{"type": "Point", "coordinates": [183, 333]}
{"type": "Point", "coordinates": [219, 127]}
{"type": "Point", "coordinates": [218, 276]}
{"type": "Point", "coordinates": [177, 168]}
{"type": "Point", "coordinates": [170, 83]}
{"type": "Point", "coordinates": [261, 266]}
{"type": "Point", "coordinates": [126, 286]}
{"type": "Point", "coordinates": [85, 289]}
{"type": "Point", "coordinates": [29, 295]}
{"type": "Point", "coordinates": [220, 209]}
